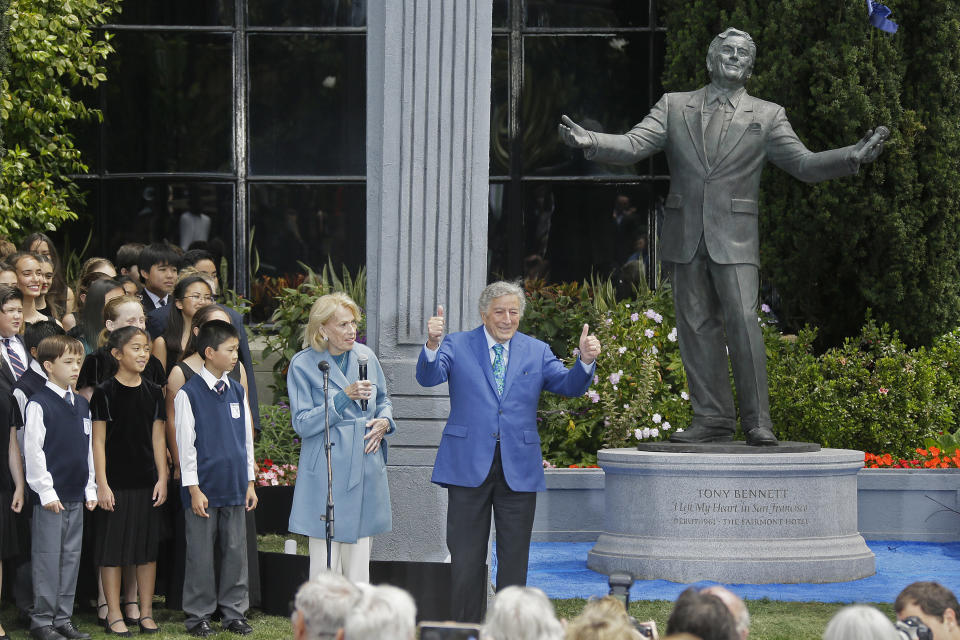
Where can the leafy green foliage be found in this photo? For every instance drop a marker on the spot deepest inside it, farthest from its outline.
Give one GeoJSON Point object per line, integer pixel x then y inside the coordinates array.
{"type": "Point", "coordinates": [284, 336]}
{"type": "Point", "coordinates": [53, 51]}
{"type": "Point", "coordinates": [871, 393]}
{"type": "Point", "coordinates": [277, 440]}
{"type": "Point", "coordinates": [886, 239]}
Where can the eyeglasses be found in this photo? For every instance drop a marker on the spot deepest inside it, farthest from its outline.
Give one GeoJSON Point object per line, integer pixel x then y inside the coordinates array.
{"type": "Point", "coordinates": [197, 297]}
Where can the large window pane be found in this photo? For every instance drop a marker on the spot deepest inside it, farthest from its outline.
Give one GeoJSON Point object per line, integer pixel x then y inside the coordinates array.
{"type": "Point", "coordinates": [313, 224]}
{"type": "Point", "coordinates": [600, 82]}
{"type": "Point", "coordinates": [176, 211]}
{"type": "Point", "coordinates": [573, 229]}
{"type": "Point", "coordinates": [308, 105]}
{"type": "Point", "coordinates": [176, 12]}
{"type": "Point", "coordinates": [169, 103]}
{"type": "Point", "coordinates": [308, 13]}
{"type": "Point", "coordinates": [587, 13]}
{"type": "Point", "coordinates": [501, 14]}
{"type": "Point", "coordinates": [500, 107]}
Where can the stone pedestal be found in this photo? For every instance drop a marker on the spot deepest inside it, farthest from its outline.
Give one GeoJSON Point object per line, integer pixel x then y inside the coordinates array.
{"type": "Point", "coordinates": [759, 518]}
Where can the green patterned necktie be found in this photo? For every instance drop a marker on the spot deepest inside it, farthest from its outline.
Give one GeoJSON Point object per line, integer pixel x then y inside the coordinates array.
{"type": "Point", "coordinates": [499, 370]}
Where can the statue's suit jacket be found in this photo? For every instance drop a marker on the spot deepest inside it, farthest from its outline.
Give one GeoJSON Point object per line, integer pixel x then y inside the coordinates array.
{"type": "Point", "coordinates": [718, 202]}
{"type": "Point", "coordinates": [477, 412]}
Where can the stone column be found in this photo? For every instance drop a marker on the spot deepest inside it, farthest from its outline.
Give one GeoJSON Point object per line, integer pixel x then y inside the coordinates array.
{"type": "Point", "coordinates": [428, 122]}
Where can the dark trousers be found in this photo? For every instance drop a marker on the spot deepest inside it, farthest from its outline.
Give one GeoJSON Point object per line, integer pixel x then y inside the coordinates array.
{"type": "Point", "coordinates": [468, 529]}
{"type": "Point", "coordinates": [716, 307]}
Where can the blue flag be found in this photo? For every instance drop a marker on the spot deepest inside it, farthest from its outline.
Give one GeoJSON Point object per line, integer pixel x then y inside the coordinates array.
{"type": "Point", "coordinates": [878, 17]}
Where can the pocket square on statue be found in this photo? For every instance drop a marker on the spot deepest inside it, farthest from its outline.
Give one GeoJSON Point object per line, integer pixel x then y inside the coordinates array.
{"type": "Point", "coordinates": [755, 128]}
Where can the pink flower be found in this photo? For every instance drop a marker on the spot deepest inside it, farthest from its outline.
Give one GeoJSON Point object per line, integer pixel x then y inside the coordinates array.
{"type": "Point", "coordinates": [765, 308]}
{"type": "Point", "coordinates": [883, 391]}
{"type": "Point", "coordinates": [634, 317]}
{"type": "Point", "coordinates": [615, 377]}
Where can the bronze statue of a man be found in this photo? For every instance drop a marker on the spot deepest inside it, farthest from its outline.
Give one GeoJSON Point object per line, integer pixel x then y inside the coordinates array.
{"type": "Point", "coordinates": [717, 140]}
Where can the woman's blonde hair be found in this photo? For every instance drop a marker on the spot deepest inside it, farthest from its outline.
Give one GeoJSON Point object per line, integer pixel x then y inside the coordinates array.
{"type": "Point", "coordinates": [321, 311]}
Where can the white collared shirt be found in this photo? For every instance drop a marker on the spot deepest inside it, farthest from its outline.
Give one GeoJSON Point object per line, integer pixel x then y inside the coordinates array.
{"type": "Point", "coordinates": [187, 433]}
{"type": "Point", "coordinates": [34, 434]}
{"type": "Point", "coordinates": [156, 299]}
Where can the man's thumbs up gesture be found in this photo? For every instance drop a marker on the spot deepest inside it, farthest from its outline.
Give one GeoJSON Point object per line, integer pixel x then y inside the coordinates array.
{"type": "Point", "coordinates": [435, 330]}
{"type": "Point", "coordinates": [589, 346]}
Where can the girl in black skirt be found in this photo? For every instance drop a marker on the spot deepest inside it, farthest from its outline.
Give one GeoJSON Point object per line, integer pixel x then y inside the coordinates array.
{"type": "Point", "coordinates": [129, 455]}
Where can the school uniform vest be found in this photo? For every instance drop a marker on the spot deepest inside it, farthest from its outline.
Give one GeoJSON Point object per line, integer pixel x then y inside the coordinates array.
{"type": "Point", "coordinates": [66, 445]}
{"type": "Point", "coordinates": [221, 443]}
{"type": "Point", "coordinates": [29, 383]}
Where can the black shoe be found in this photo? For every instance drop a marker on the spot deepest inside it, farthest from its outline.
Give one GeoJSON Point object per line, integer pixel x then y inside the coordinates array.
{"type": "Point", "coordinates": [144, 629]}
{"type": "Point", "coordinates": [129, 621]}
{"type": "Point", "coordinates": [108, 629]}
{"type": "Point", "coordinates": [70, 632]}
{"type": "Point", "coordinates": [101, 621]}
{"type": "Point", "coordinates": [201, 630]}
{"type": "Point", "coordinates": [46, 633]}
{"type": "Point", "coordinates": [701, 433]}
{"type": "Point", "coordinates": [239, 627]}
{"type": "Point", "coordinates": [761, 437]}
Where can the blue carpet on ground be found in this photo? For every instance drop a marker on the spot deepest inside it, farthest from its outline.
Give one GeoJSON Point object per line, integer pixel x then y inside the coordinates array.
{"type": "Point", "coordinates": [560, 569]}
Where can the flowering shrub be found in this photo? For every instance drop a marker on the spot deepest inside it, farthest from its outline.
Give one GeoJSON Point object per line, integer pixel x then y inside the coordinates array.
{"type": "Point", "coordinates": [270, 474]}
{"type": "Point", "coordinates": [931, 458]}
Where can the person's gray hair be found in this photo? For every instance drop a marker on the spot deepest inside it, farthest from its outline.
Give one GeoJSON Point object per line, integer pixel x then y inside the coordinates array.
{"type": "Point", "coordinates": [521, 613]}
{"type": "Point", "coordinates": [325, 602]}
{"type": "Point", "coordinates": [720, 37]}
{"type": "Point", "coordinates": [860, 622]}
{"type": "Point", "coordinates": [736, 605]}
{"type": "Point", "coordinates": [383, 613]}
{"type": "Point", "coordinates": [501, 288]}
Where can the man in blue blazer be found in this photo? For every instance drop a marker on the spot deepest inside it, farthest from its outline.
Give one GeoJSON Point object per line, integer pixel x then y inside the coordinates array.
{"type": "Point", "coordinates": [489, 454]}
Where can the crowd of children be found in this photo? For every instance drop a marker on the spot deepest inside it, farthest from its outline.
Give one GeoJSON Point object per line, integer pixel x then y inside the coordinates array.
{"type": "Point", "coordinates": [125, 398]}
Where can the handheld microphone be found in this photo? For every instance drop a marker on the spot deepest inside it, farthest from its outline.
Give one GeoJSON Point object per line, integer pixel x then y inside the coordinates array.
{"type": "Point", "coordinates": [362, 360]}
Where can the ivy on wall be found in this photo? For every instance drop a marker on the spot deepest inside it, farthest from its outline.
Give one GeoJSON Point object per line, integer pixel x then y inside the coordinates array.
{"type": "Point", "coordinates": [53, 55]}
{"type": "Point", "coordinates": [887, 239]}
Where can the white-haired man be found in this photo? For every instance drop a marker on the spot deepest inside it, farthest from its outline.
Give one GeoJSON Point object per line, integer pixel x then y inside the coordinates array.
{"type": "Point", "coordinates": [321, 606]}
{"type": "Point", "coordinates": [489, 455]}
{"type": "Point", "coordinates": [737, 607]}
{"type": "Point", "coordinates": [521, 613]}
{"type": "Point", "coordinates": [383, 613]}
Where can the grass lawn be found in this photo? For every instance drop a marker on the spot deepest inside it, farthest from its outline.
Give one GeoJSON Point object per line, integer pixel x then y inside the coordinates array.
{"type": "Point", "coordinates": [770, 620]}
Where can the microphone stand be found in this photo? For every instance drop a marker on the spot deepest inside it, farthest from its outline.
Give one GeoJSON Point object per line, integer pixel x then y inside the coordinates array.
{"type": "Point", "coordinates": [325, 367]}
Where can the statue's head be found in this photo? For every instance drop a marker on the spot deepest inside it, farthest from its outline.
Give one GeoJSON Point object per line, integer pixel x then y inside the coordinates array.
{"type": "Point", "coordinates": [730, 58]}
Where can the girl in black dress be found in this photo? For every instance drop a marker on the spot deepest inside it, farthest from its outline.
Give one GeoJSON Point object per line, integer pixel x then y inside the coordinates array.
{"type": "Point", "coordinates": [129, 456]}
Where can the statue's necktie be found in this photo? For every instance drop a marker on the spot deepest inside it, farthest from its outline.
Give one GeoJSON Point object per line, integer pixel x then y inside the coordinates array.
{"type": "Point", "coordinates": [714, 130]}
{"type": "Point", "coordinates": [499, 368]}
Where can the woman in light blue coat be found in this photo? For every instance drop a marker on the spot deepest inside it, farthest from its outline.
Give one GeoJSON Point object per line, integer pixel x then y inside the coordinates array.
{"type": "Point", "coordinates": [361, 496]}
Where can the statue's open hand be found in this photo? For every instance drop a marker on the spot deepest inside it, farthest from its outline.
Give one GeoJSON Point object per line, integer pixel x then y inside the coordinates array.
{"type": "Point", "coordinates": [869, 147]}
{"type": "Point", "coordinates": [573, 135]}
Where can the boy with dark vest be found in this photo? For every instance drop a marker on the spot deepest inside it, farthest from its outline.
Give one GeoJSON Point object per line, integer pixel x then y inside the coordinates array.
{"type": "Point", "coordinates": [29, 383]}
{"type": "Point", "coordinates": [215, 438]}
{"type": "Point", "coordinates": [59, 470]}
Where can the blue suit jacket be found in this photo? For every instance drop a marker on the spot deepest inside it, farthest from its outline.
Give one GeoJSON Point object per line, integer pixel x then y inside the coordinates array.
{"type": "Point", "coordinates": [477, 413]}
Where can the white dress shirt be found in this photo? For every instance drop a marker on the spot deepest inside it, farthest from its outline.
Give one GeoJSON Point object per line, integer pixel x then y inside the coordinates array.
{"type": "Point", "coordinates": [156, 299]}
{"type": "Point", "coordinates": [34, 433]}
{"type": "Point", "coordinates": [187, 433]}
{"type": "Point", "coordinates": [16, 343]}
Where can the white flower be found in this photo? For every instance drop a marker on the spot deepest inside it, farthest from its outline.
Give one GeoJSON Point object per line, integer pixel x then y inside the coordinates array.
{"type": "Point", "coordinates": [646, 432]}
{"type": "Point", "coordinates": [621, 350]}
{"type": "Point", "coordinates": [654, 350]}
{"type": "Point", "coordinates": [679, 431]}
{"type": "Point", "coordinates": [666, 425]}
{"type": "Point", "coordinates": [654, 432]}
{"type": "Point", "coordinates": [637, 433]}
{"type": "Point", "coordinates": [672, 336]}
{"type": "Point", "coordinates": [765, 308]}
{"type": "Point", "coordinates": [648, 333]}
{"type": "Point", "coordinates": [684, 395]}
{"type": "Point", "coordinates": [626, 406]}
{"type": "Point", "coordinates": [657, 418]}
